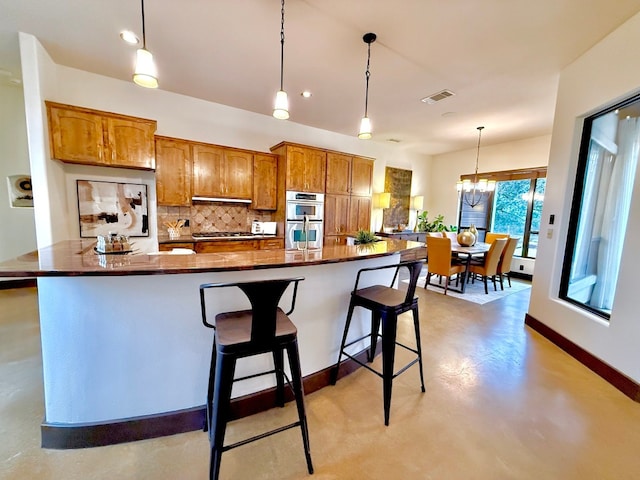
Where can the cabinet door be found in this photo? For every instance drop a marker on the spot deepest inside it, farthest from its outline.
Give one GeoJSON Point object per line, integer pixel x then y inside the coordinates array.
{"type": "Point", "coordinates": [359, 214]}
{"type": "Point", "coordinates": [130, 143]}
{"type": "Point", "coordinates": [238, 174]}
{"type": "Point", "coordinates": [315, 170]}
{"type": "Point", "coordinates": [338, 174]}
{"type": "Point", "coordinates": [173, 172]}
{"type": "Point", "coordinates": [336, 214]}
{"type": "Point", "coordinates": [265, 178]}
{"type": "Point", "coordinates": [208, 171]}
{"type": "Point", "coordinates": [296, 159]}
{"type": "Point", "coordinates": [226, 246]}
{"type": "Point", "coordinates": [361, 176]}
{"type": "Point", "coordinates": [76, 136]}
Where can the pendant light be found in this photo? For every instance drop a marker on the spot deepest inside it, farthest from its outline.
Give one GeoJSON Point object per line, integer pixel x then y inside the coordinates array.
{"type": "Point", "coordinates": [281, 106]}
{"type": "Point", "coordinates": [145, 74]}
{"type": "Point", "coordinates": [365, 123]}
{"type": "Point", "coordinates": [472, 191]}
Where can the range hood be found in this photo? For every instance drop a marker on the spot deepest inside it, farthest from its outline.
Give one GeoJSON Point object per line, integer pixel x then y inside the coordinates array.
{"type": "Point", "coordinates": [220, 200]}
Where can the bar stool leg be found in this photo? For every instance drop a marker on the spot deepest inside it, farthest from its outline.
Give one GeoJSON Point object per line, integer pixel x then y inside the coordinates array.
{"type": "Point", "coordinates": [333, 378]}
{"type": "Point", "coordinates": [212, 371]}
{"type": "Point", "coordinates": [416, 326]}
{"type": "Point", "coordinates": [375, 328]}
{"type": "Point", "coordinates": [278, 362]}
{"type": "Point", "coordinates": [296, 379]}
{"type": "Point", "coordinates": [389, 330]}
{"type": "Point", "coordinates": [225, 369]}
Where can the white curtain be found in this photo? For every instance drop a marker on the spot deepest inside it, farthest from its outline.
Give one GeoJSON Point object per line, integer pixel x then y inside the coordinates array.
{"type": "Point", "coordinates": [616, 213]}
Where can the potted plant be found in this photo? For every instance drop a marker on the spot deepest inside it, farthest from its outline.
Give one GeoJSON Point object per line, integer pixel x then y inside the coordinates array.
{"type": "Point", "coordinates": [437, 225]}
{"type": "Point", "coordinates": [364, 237]}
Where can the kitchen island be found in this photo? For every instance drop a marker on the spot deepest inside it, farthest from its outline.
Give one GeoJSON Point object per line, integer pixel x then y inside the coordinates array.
{"type": "Point", "coordinates": [125, 355]}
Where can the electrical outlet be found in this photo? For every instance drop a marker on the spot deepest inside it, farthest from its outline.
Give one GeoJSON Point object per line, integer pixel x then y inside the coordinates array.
{"type": "Point", "coordinates": [186, 222]}
{"type": "Point", "coordinates": [521, 267]}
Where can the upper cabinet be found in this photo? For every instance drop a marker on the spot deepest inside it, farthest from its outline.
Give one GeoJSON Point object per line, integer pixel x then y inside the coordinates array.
{"type": "Point", "coordinates": [306, 169]}
{"type": "Point", "coordinates": [222, 172]}
{"type": "Point", "coordinates": [348, 175]}
{"type": "Point", "coordinates": [361, 176]}
{"type": "Point", "coordinates": [173, 172]}
{"type": "Point", "coordinates": [265, 175]}
{"type": "Point", "coordinates": [91, 137]}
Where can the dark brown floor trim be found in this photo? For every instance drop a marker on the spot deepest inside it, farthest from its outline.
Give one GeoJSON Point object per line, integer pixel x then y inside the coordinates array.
{"type": "Point", "coordinates": [623, 383]}
{"type": "Point", "coordinates": [18, 283]}
{"type": "Point", "coordinates": [61, 436]}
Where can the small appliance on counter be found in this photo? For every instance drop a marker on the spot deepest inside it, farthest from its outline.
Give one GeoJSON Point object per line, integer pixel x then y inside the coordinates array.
{"type": "Point", "coordinates": [263, 228]}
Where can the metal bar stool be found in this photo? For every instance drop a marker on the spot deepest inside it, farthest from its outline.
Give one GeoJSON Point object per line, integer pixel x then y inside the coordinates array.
{"type": "Point", "coordinates": [264, 328]}
{"type": "Point", "coordinates": [385, 303]}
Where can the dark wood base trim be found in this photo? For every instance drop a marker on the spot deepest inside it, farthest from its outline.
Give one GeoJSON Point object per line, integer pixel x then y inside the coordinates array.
{"type": "Point", "coordinates": [62, 436]}
{"type": "Point", "coordinates": [18, 283]}
{"type": "Point", "coordinates": [623, 383]}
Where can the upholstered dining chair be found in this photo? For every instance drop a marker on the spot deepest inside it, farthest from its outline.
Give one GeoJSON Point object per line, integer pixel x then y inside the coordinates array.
{"type": "Point", "coordinates": [491, 236]}
{"type": "Point", "coordinates": [440, 261]}
{"type": "Point", "coordinates": [504, 265]}
{"type": "Point", "coordinates": [488, 268]}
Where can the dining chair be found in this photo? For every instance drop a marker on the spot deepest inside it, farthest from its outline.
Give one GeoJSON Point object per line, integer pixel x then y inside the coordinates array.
{"type": "Point", "coordinates": [489, 267]}
{"type": "Point", "coordinates": [504, 265]}
{"type": "Point", "coordinates": [441, 262]}
{"type": "Point", "coordinates": [491, 236]}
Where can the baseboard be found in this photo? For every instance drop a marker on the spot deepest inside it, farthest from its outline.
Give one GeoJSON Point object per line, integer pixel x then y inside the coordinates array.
{"type": "Point", "coordinates": [620, 381]}
{"type": "Point", "coordinates": [62, 436]}
{"type": "Point", "coordinates": [18, 283]}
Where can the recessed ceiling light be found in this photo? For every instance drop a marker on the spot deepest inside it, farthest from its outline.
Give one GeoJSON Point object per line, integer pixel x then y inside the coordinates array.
{"type": "Point", "coordinates": [448, 114]}
{"type": "Point", "coordinates": [393, 140]}
{"type": "Point", "coordinates": [306, 94]}
{"type": "Point", "coordinates": [129, 37]}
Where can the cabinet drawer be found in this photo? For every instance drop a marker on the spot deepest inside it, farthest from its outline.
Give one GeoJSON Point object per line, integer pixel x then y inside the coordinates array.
{"type": "Point", "coordinates": [272, 244]}
{"type": "Point", "coordinates": [167, 247]}
{"type": "Point", "coordinates": [227, 246]}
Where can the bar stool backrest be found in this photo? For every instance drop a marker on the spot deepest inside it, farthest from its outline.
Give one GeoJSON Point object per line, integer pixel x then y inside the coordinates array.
{"type": "Point", "coordinates": [264, 297]}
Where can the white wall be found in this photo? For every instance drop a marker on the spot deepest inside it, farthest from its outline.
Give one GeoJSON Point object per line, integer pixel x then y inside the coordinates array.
{"type": "Point", "coordinates": [608, 72]}
{"type": "Point", "coordinates": [442, 197]}
{"type": "Point", "coordinates": [17, 234]}
{"type": "Point", "coordinates": [177, 116]}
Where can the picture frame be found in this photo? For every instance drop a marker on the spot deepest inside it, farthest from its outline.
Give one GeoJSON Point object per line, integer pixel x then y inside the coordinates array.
{"type": "Point", "coordinates": [112, 207]}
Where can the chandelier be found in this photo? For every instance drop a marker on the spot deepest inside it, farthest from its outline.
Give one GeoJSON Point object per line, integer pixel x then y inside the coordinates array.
{"type": "Point", "coordinates": [472, 192]}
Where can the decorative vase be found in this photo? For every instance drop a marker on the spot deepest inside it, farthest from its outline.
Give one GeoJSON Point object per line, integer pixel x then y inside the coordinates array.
{"type": "Point", "coordinates": [473, 230]}
{"type": "Point", "coordinates": [466, 238]}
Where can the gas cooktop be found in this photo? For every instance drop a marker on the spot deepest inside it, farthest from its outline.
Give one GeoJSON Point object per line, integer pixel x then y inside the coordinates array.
{"type": "Point", "coordinates": [221, 234]}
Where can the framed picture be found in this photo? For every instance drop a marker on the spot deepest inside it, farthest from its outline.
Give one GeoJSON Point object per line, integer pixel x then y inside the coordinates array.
{"type": "Point", "coordinates": [20, 192]}
{"type": "Point", "coordinates": [105, 207]}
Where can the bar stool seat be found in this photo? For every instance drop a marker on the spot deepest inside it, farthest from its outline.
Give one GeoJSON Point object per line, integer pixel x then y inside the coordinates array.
{"type": "Point", "coordinates": [385, 304]}
{"type": "Point", "coordinates": [264, 328]}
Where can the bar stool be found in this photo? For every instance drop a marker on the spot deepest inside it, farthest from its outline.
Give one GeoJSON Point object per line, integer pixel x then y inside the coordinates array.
{"type": "Point", "coordinates": [385, 303]}
{"type": "Point", "coordinates": [264, 328]}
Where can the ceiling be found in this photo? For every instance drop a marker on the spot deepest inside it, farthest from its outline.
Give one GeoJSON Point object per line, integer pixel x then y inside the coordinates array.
{"type": "Point", "coordinates": [501, 58]}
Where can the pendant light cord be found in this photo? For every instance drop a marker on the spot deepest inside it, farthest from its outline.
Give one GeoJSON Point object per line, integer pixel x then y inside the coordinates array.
{"type": "Point", "coordinates": [367, 75]}
{"type": "Point", "coordinates": [282, 47]}
{"type": "Point", "coordinates": [475, 177]}
{"type": "Point", "coordinates": [144, 37]}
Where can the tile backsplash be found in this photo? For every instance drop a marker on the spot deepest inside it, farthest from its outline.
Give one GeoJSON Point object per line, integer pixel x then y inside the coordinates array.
{"type": "Point", "coordinates": [212, 217]}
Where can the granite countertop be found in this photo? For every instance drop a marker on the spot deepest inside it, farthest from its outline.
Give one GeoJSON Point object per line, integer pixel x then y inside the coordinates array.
{"type": "Point", "coordinates": [78, 258]}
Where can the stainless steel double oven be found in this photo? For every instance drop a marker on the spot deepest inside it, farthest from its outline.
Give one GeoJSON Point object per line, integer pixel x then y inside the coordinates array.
{"type": "Point", "coordinates": [305, 220]}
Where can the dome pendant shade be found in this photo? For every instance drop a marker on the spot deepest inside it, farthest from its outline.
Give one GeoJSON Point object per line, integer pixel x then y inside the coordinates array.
{"type": "Point", "coordinates": [146, 74]}
{"type": "Point", "coordinates": [365, 129]}
{"type": "Point", "coordinates": [281, 106]}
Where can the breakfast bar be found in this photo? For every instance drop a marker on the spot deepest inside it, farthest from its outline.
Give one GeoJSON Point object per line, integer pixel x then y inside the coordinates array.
{"type": "Point", "coordinates": [125, 354]}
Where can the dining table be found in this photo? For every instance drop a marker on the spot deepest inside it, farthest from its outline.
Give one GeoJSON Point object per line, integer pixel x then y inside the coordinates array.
{"type": "Point", "coordinates": [468, 252]}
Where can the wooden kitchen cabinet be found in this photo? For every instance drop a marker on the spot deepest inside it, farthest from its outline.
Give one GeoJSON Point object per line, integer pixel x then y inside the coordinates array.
{"type": "Point", "coordinates": [338, 173]}
{"type": "Point", "coordinates": [361, 176]}
{"type": "Point", "coordinates": [167, 247]}
{"type": "Point", "coordinates": [306, 169]}
{"type": "Point", "coordinates": [336, 214]}
{"type": "Point", "coordinates": [222, 172]}
{"type": "Point", "coordinates": [92, 137]}
{"type": "Point", "coordinates": [173, 172]}
{"type": "Point", "coordinates": [272, 244]}
{"type": "Point", "coordinates": [359, 213]}
{"type": "Point", "coordinates": [218, 246]}
{"type": "Point", "coordinates": [265, 182]}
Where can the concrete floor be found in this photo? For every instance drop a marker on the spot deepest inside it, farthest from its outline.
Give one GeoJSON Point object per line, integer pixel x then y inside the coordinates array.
{"type": "Point", "coordinates": [501, 403]}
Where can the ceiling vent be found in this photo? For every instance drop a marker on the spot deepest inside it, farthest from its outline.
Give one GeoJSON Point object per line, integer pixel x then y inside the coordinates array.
{"type": "Point", "coordinates": [436, 97]}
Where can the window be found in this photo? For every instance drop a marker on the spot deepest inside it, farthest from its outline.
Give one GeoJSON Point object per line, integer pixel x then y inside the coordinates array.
{"type": "Point", "coordinates": [600, 208]}
{"type": "Point", "coordinates": [515, 207]}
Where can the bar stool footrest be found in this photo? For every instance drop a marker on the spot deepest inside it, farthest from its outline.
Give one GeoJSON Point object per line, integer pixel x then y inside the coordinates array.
{"type": "Point", "coordinates": [261, 436]}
